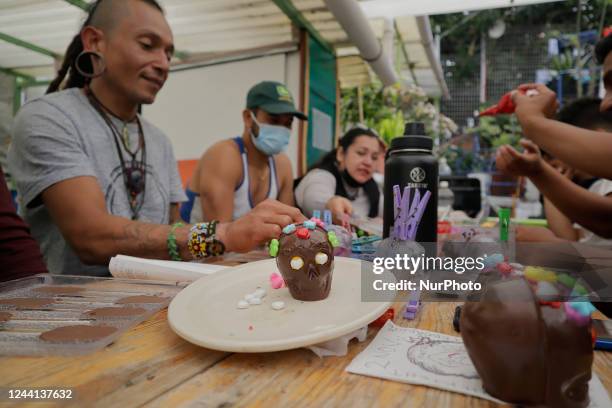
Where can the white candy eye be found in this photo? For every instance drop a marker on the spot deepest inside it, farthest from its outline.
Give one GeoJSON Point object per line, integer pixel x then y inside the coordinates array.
{"type": "Point", "coordinates": [297, 263]}
{"type": "Point", "coordinates": [321, 258]}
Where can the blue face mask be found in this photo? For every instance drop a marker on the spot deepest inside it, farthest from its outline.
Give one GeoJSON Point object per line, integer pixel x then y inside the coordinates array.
{"type": "Point", "coordinates": [271, 139]}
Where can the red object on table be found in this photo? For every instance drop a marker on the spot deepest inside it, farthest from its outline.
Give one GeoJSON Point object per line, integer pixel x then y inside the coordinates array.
{"type": "Point", "coordinates": [380, 322]}
{"type": "Point", "coordinates": [444, 227]}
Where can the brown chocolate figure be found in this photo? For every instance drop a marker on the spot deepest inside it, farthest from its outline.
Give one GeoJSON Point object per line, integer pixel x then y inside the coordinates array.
{"type": "Point", "coordinates": [527, 353]}
{"type": "Point", "coordinates": [306, 260]}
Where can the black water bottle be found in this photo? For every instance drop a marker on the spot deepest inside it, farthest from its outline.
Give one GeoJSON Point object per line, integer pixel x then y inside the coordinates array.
{"type": "Point", "coordinates": [410, 162]}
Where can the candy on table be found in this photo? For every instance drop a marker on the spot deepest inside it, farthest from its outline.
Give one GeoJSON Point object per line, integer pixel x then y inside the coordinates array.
{"type": "Point", "coordinates": [316, 214]}
{"type": "Point", "coordinates": [242, 304]}
{"type": "Point", "coordinates": [278, 305]}
{"type": "Point", "coordinates": [260, 292]}
{"type": "Point", "coordinates": [276, 281]}
{"type": "Point", "coordinates": [534, 273]}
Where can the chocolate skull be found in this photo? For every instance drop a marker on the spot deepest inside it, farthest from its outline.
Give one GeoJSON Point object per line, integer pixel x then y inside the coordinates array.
{"type": "Point", "coordinates": [306, 262]}
{"type": "Point", "coordinates": [527, 353]}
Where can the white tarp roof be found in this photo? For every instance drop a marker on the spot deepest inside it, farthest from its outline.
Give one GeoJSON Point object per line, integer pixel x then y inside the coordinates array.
{"type": "Point", "coordinates": [398, 8]}
{"type": "Point", "coordinates": [203, 30]}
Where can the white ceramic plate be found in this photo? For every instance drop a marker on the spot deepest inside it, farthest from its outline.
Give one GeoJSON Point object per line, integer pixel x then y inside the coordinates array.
{"type": "Point", "coordinates": [205, 313]}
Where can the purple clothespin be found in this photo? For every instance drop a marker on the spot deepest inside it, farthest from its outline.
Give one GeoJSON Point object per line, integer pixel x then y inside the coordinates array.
{"type": "Point", "coordinates": [412, 306]}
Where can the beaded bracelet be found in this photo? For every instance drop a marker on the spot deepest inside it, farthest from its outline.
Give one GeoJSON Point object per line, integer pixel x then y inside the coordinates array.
{"type": "Point", "coordinates": [173, 251]}
{"type": "Point", "coordinates": [202, 241]}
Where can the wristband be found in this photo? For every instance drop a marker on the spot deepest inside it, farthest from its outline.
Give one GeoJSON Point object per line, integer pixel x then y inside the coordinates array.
{"type": "Point", "coordinates": [203, 242]}
{"type": "Point", "coordinates": [173, 251]}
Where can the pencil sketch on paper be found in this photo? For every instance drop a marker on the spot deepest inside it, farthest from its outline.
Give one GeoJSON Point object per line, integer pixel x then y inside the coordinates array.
{"type": "Point", "coordinates": [442, 357]}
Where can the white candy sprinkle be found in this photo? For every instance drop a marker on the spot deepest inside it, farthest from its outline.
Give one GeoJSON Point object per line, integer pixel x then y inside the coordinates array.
{"type": "Point", "coordinates": [249, 296]}
{"type": "Point", "coordinates": [254, 301]}
{"type": "Point", "coordinates": [260, 292]}
{"type": "Point", "coordinates": [243, 304]}
{"type": "Point", "coordinates": [278, 305]}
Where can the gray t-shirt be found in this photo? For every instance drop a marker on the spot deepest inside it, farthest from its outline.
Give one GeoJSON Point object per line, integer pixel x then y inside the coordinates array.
{"type": "Point", "coordinates": [61, 136]}
{"type": "Point", "coordinates": [318, 186]}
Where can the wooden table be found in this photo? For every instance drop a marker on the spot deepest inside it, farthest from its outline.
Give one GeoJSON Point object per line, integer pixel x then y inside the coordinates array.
{"type": "Point", "coordinates": [150, 365]}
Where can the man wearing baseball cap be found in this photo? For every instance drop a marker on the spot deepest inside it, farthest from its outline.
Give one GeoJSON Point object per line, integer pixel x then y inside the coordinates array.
{"type": "Point", "coordinates": [235, 175]}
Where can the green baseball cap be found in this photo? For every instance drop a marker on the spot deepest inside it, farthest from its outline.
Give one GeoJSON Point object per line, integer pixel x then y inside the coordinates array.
{"type": "Point", "coordinates": [273, 97]}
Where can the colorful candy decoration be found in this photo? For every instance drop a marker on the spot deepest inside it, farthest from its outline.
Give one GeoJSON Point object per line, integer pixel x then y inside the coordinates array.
{"type": "Point", "coordinates": [547, 291]}
{"type": "Point", "coordinates": [492, 260]}
{"type": "Point", "coordinates": [537, 274]}
{"type": "Point", "coordinates": [333, 239]}
{"type": "Point", "coordinates": [504, 268]}
{"type": "Point", "coordinates": [579, 312]}
{"type": "Point", "coordinates": [302, 231]}
{"type": "Point", "coordinates": [319, 222]}
{"type": "Point", "coordinates": [289, 229]}
{"type": "Point", "coordinates": [274, 248]}
{"type": "Point", "coordinates": [566, 280]}
{"type": "Point", "coordinates": [311, 225]}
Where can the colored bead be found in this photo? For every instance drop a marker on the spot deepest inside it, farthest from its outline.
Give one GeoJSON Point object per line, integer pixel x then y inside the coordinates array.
{"type": "Point", "coordinates": [584, 308]}
{"type": "Point", "coordinates": [318, 222]}
{"type": "Point", "coordinates": [492, 260]}
{"type": "Point", "coordinates": [546, 291]}
{"type": "Point", "coordinates": [303, 233]}
{"type": "Point", "coordinates": [579, 315]}
{"type": "Point", "coordinates": [333, 239]}
{"type": "Point", "coordinates": [504, 268]}
{"type": "Point", "coordinates": [554, 305]}
{"type": "Point", "coordinates": [310, 225]}
{"type": "Point", "coordinates": [289, 229]}
{"type": "Point", "coordinates": [274, 248]}
{"type": "Point", "coordinates": [537, 274]}
{"type": "Point", "coordinates": [580, 290]}
{"type": "Point", "coordinates": [566, 280]}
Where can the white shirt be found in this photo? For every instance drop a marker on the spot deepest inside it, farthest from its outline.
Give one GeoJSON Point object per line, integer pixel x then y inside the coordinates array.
{"type": "Point", "coordinates": [602, 187]}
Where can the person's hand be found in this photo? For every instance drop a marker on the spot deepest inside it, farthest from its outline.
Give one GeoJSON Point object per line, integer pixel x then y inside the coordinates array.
{"type": "Point", "coordinates": [535, 234]}
{"type": "Point", "coordinates": [528, 163]}
{"type": "Point", "coordinates": [534, 100]}
{"type": "Point", "coordinates": [261, 224]}
{"type": "Point", "coordinates": [340, 207]}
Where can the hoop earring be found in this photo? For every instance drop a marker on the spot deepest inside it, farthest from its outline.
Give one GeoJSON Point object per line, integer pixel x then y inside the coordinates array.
{"type": "Point", "coordinates": [89, 75]}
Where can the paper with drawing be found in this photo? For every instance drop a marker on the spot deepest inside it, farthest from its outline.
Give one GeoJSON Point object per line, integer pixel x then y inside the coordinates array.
{"type": "Point", "coordinates": [435, 360]}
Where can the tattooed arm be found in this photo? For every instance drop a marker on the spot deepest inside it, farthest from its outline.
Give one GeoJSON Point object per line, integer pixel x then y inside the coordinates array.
{"type": "Point", "coordinates": [96, 236]}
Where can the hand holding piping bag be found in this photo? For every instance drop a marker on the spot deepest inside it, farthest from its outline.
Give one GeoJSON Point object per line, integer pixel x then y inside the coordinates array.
{"type": "Point", "coordinates": [508, 103]}
{"type": "Point", "coordinates": [534, 100]}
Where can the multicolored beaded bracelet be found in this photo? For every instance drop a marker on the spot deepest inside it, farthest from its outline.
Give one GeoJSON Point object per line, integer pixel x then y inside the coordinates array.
{"type": "Point", "coordinates": [173, 250]}
{"type": "Point", "coordinates": [202, 241]}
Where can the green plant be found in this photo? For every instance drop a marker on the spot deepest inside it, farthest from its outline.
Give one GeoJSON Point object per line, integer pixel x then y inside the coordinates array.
{"type": "Point", "coordinates": [387, 109]}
